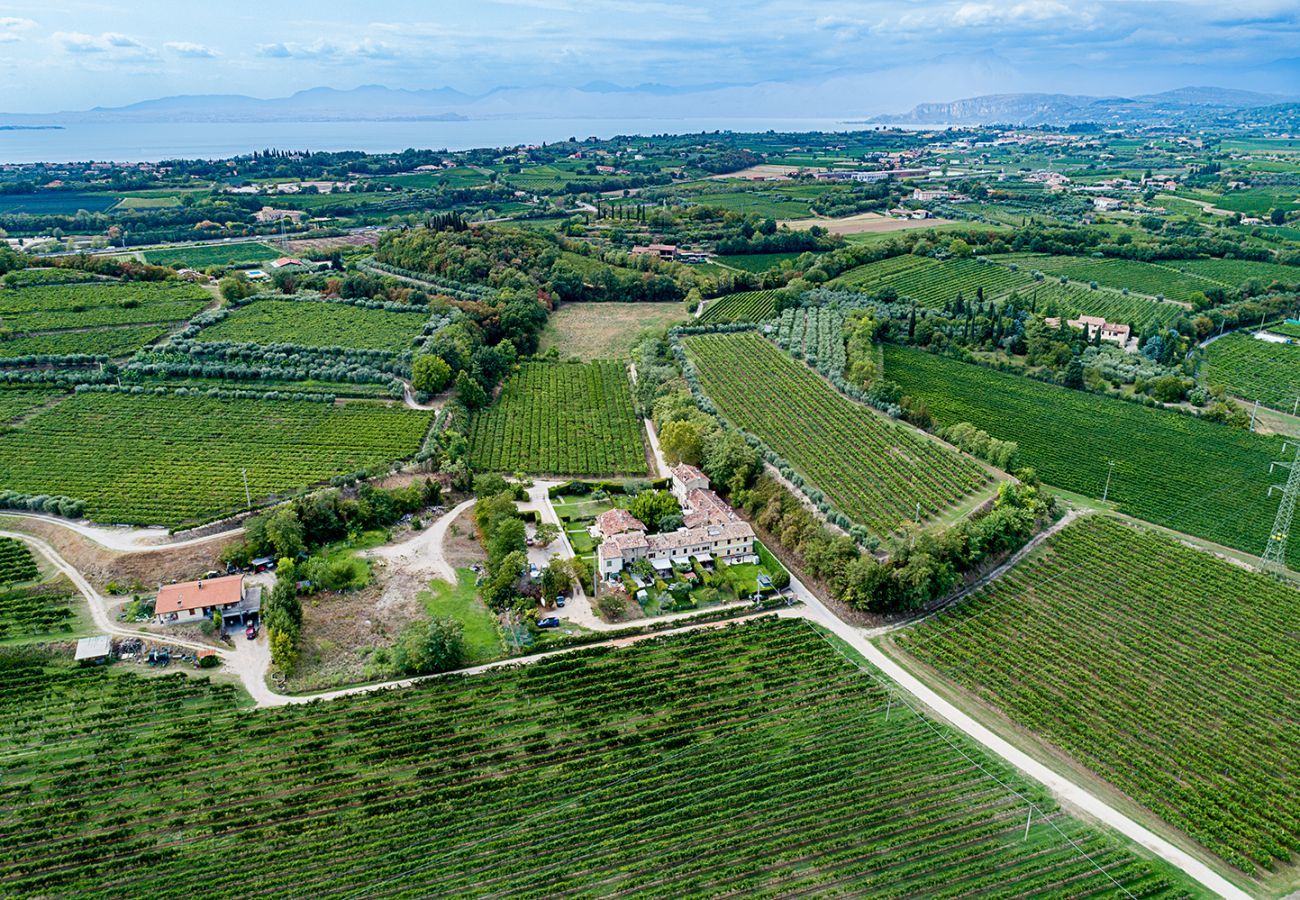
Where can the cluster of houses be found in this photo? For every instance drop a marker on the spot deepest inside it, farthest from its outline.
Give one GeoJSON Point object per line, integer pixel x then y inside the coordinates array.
{"type": "Point", "coordinates": [670, 252]}
{"type": "Point", "coordinates": [711, 532]}
{"type": "Point", "coordinates": [1114, 332]}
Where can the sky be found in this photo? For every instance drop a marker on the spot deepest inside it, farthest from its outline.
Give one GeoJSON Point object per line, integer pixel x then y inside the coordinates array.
{"type": "Point", "coordinates": [77, 55]}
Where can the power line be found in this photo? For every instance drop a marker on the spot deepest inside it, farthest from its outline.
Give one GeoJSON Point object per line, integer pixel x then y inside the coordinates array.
{"type": "Point", "coordinates": [1274, 555]}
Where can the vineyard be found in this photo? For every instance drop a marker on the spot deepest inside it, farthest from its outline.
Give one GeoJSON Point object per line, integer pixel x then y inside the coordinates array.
{"type": "Point", "coordinates": [1286, 329]}
{"type": "Point", "coordinates": [202, 257]}
{"type": "Point", "coordinates": [815, 334]}
{"type": "Point", "coordinates": [1194, 476]}
{"type": "Point", "coordinates": [16, 562]}
{"type": "Point", "coordinates": [52, 307]}
{"type": "Point", "coordinates": [1253, 369]}
{"type": "Point", "coordinates": [29, 277]}
{"type": "Point", "coordinates": [15, 402]}
{"type": "Point", "coordinates": [1152, 279]}
{"type": "Point", "coordinates": [935, 283]}
{"type": "Point", "coordinates": [1162, 669]}
{"type": "Point", "coordinates": [148, 459]}
{"type": "Point", "coordinates": [747, 306]}
{"type": "Point", "coordinates": [37, 611]}
{"type": "Point", "coordinates": [1232, 272]}
{"type": "Point", "coordinates": [561, 418]}
{"type": "Point", "coordinates": [1080, 300]}
{"type": "Point", "coordinates": [751, 760]}
{"type": "Point", "coordinates": [318, 324]}
{"type": "Point", "coordinates": [112, 342]}
{"type": "Point", "coordinates": [873, 470]}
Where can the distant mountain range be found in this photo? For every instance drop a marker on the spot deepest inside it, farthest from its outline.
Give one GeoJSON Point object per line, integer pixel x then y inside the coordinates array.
{"type": "Point", "coordinates": [847, 98]}
{"type": "Point", "coordinates": [1065, 109]}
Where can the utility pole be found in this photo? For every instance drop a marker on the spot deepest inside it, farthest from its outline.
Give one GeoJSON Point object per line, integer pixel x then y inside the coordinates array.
{"type": "Point", "coordinates": [247, 495]}
{"type": "Point", "coordinates": [1295, 405]}
{"type": "Point", "coordinates": [1253, 412]}
{"type": "Point", "coordinates": [1106, 491]}
{"type": "Point", "coordinates": [1275, 549]}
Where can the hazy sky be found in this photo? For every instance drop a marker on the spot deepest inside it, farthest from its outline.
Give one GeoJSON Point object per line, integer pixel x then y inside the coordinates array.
{"type": "Point", "coordinates": [74, 55]}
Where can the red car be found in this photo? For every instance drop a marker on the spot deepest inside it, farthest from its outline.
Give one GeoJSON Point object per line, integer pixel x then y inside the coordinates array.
{"type": "Point", "coordinates": [250, 632]}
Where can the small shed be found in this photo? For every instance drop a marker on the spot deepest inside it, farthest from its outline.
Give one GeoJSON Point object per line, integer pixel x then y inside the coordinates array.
{"type": "Point", "coordinates": [94, 650]}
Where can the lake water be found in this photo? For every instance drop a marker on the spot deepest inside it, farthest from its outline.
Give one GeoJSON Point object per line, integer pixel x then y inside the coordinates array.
{"type": "Point", "coordinates": [151, 141]}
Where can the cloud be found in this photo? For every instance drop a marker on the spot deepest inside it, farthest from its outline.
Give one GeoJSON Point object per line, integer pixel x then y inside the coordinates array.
{"type": "Point", "coordinates": [328, 51]}
{"type": "Point", "coordinates": [190, 50]}
{"type": "Point", "coordinates": [11, 28]}
{"type": "Point", "coordinates": [108, 43]}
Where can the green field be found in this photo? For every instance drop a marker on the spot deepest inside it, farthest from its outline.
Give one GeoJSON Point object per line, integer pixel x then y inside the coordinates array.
{"type": "Point", "coordinates": [561, 418]}
{"type": "Point", "coordinates": [757, 262]}
{"type": "Point", "coordinates": [1253, 369]}
{"type": "Point", "coordinates": [1167, 672]}
{"type": "Point", "coordinates": [30, 277]}
{"type": "Point", "coordinates": [873, 470]}
{"type": "Point", "coordinates": [312, 323]}
{"type": "Point", "coordinates": [1232, 272]}
{"type": "Point", "coordinates": [747, 306]}
{"type": "Point", "coordinates": [933, 283]}
{"type": "Point", "coordinates": [752, 760]}
{"type": "Point", "coordinates": [16, 562]}
{"type": "Point", "coordinates": [1152, 279]}
{"type": "Point", "coordinates": [1078, 299]}
{"type": "Point", "coordinates": [212, 255]}
{"type": "Point", "coordinates": [93, 304]}
{"type": "Point", "coordinates": [460, 602]}
{"type": "Point", "coordinates": [605, 330]}
{"type": "Point", "coordinates": [1175, 470]}
{"type": "Point", "coordinates": [15, 402]}
{"type": "Point", "coordinates": [166, 460]}
{"type": "Point", "coordinates": [109, 341]}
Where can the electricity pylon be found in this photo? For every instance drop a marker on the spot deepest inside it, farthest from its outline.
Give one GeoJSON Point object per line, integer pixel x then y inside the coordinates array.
{"type": "Point", "coordinates": [1275, 549]}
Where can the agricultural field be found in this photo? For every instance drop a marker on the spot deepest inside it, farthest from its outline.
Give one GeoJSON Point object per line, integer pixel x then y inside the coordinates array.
{"type": "Point", "coordinates": [1286, 329]}
{"type": "Point", "coordinates": [934, 284]}
{"type": "Point", "coordinates": [1053, 298]}
{"type": "Point", "coordinates": [110, 341]}
{"type": "Point", "coordinates": [166, 460]}
{"type": "Point", "coordinates": [1232, 272]}
{"type": "Point", "coordinates": [1197, 477]}
{"type": "Point", "coordinates": [665, 751]}
{"type": "Point", "coordinates": [37, 611]}
{"type": "Point", "coordinates": [813, 333]}
{"type": "Point", "coordinates": [318, 323]}
{"type": "Point", "coordinates": [16, 562]}
{"type": "Point", "coordinates": [1252, 369]}
{"type": "Point", "coordinates": [55, 203]}
{"type": "Point", "coordinates": [605, 330]}
{"type": "Point", "coordinates": [1165, 671]}
{"type": "Point", "coordinates": [757, 262]}
{"type": "Point", "coordinates": [201, 257]}
{"type": "Point", "coordinates": [747, 306]}
{"type": "Point", "coordinates": [872, 469]}
{"type": "Point", "coordinates": [561, 418]}
{"type": "Point", "coordinates": [28, 277]}
{"type": "Point", "coordinates": [18, 401]}
{"type": "Point", "coordinates": [1152, 279]}
{"type": "Point", "coordinates": [93, 304]}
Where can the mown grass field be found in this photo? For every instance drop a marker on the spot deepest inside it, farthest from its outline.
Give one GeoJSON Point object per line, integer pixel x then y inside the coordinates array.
{"type": "Point", "coordinates": [165, 460]}
{"type": "Point", "coordinates": [752, 760]}
{"type": "Point", "coordinates": [1253, 369]}
{"type": "Point", "coordinates": [1169, 673]}
{"type": "Point", "coordinates": [561, 418]}
{"type": "Point", "coordinates": [1196, 477]}
{"type": "Point", "coordinates": [873, 470]}
{"type": "Point", "coordinates": [313, 323]}
{"type": "Point", "coordinates": [605, 330]}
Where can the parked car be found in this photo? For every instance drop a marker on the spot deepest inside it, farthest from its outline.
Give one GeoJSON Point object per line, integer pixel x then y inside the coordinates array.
{"type": "Point", "coordinates": [251, 631]}
{"type": "Point", "coordinates": [548, 622]}
{"type": "Point", "coordinates": [533, 572]}
{"type": "Point", "coordinates": [559, 600]}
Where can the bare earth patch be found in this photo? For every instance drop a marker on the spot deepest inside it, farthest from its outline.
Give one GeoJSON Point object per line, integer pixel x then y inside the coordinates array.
{"type": "Point", "coordinates": [460, 547]}
{"type": "Point", "coordinates": [767, 170]}
{"type": "Point", "coordinates": [865, 223]}
{"type": "Point", "coordinates": [605, 330]}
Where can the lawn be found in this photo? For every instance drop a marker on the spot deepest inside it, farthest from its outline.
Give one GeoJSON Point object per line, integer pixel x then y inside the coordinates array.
{"type": "Point", "coordinates": [1162, 669]}
{"type": "Point", "coordinates": [460, 602]}
{"type": "Point", "coordinates": [165, 460]}
{"type": "Point", "coordinates": [313, 323]}
{"type": "Point", "coordinates": [605, 330]}
{"type": "Point", "coordinates": [752, 759]}
{"type": "Point", "coordinates": [563, 419]}
{"type": "Point", "coordinates": [1198, 477]}
{"type": "Point", "coordinates": [873, 470]}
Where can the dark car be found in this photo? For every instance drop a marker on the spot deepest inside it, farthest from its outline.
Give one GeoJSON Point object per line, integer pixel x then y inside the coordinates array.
{"type": "Point", "coordinates": [250, 632]}
{"type": "Point", "coordinates": [548, 622]}
{"type": "Point", "coordinates": [559, 601]}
